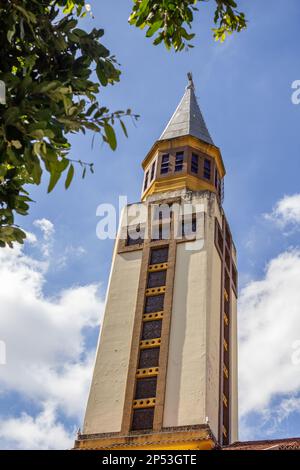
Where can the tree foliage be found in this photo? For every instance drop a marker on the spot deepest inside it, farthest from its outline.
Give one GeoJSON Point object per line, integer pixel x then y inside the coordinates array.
{"type": "Point", "coordinates": [46, 63]}
{"type": "Point", "coordinates": [168, 20]}
{"type": "Point", "coordinates": [53, 71]}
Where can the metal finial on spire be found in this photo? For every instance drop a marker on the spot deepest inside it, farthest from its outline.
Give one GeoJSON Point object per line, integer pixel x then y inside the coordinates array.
{"type": "Point", "coordinates": [190, 79]}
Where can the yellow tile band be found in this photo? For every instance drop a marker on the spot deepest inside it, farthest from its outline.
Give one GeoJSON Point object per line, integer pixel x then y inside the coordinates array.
{"type": "Point", "coordinates": [145, 403]}
{"type": "Point", "coordinates": [153, 316]}
{"type": "Point", "coordinates": [149, 372]}
{"type": "Point", "coordinates": [150, 343]}
{"type": "Point", "coordinates": [155, 291]}
{"type": "Point", "coordinates": [157, 267]}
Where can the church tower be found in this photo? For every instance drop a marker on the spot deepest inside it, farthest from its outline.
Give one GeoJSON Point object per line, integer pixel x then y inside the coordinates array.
{"type": "Point", "coordinates": [165, 375]}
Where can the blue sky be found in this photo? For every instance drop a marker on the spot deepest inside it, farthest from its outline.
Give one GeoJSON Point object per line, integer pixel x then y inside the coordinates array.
{"type": "Point", "coordinates": [244, 91]}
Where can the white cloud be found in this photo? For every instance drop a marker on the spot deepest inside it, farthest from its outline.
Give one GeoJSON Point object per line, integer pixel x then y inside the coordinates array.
{"type": "Point", "coordinates": [31, 238]}
{"type": "Point", "coordinates": [47, 358]}
{"type": "Point", "coordinates": [286, 212]}
{"type": "Point", "coordinates": [74, 252]}
{"type": "Point", "coordinates": [42, 432]}
{"type": "Point", "coordinates": [286, 407]}
{"type": "Point", "coordinates": [269, 325]}
{"type": "Point", "coordinates": [269, 421]}
{"type": "Point", "coordinates": [47, 228]}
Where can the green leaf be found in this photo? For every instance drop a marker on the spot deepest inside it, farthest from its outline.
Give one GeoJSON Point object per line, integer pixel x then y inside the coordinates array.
{"type": "Point", "coordinates": [79, 32]}
{"type": "Point", "coordinates": [31, 18]}
{"type": "Point", "coordinates": [101, 75]}
{"type": "Point", "coordinates": [69, 176]}
{"type": "Point", "coordinates": [54, 177]}
{"type": "Point", "coordinates": [124, 128]}
{"type": "Point", "coordinates": [37, 171]}
{"type": "Point", "coordinates": [16, 143]}
{"type": "Point", "coordinates": [91, 109]}
{"type": "Point", "coordinates": [143, 5]}
{"type": "Point", "coordinates": [56, 169]}
{"type": "Point", "coordinates": [63, 164]}
{"type": "Point", "coordinates": [154, 28]}
{"type": "Point", "coordinates": [13, 158]}
{"type": "Point", "coordinates": [110, 135]}
{"type": "Point", "coordinates": [37, 134]}
{"type": "Point", "coordinates": [69, 7]}
{"type": "Point", "coordinates": [11, 33]}
{"type": "Point", "coordinates": [46, 87]}
{"type": "Point", "coordinates": [11, 115]}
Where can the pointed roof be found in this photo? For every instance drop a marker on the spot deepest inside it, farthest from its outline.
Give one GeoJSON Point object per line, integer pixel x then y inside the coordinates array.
{"type": "Point", "coordinates": [187, 119]}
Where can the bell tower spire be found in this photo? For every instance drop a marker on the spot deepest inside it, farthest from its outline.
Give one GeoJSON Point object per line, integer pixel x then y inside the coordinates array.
{"type": "Point", "coordinates": [185, 156]}
{"type": "Point", "coordinates": [187, 118]}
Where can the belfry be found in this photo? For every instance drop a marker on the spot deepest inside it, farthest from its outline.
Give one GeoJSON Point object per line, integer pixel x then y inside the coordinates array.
{"type": "Point", "coordinates": [165, 375]}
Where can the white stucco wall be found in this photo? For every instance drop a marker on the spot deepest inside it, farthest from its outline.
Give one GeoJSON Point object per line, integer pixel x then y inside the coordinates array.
{"type": "Point", "coordinates": [105, 405]}
{"type": "Point", "coordinates": [186, 375]}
